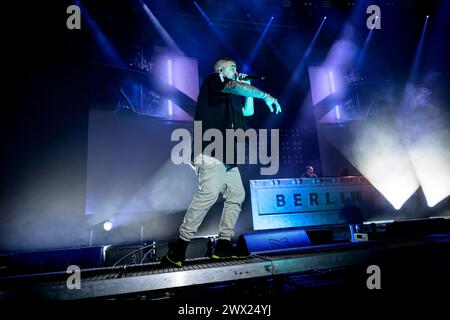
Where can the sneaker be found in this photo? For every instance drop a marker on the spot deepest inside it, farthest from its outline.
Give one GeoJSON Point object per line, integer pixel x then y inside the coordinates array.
{"type": "Point", "coordinates": [176, 255]}
{"type": "Point", "coordinates": [225, 250]}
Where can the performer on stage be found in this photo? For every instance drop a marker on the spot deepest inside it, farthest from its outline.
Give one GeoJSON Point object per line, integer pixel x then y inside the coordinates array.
{"type": "Point", "coordinates": [219, 106]}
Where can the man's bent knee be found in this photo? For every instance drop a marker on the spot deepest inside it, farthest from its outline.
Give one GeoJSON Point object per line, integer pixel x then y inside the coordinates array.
{"type": "Point", "coordinates": [237, 196]}
{"type": "Point", "coordinates": [210, 195]}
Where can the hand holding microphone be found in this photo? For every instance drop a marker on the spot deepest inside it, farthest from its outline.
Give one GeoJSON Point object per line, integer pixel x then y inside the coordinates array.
{"type": "Point", "coordinates": [242, 77]}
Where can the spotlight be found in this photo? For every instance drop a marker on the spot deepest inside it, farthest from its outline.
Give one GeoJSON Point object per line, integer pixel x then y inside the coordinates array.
{"type": "Point", "coordinates": [107, 225]}
{"type": "Point", "coordinates": [428, 17]}
{"type": "Point", "coordinates": [324, 18]}
{"type": "Point", "coordinates": [257, 46]}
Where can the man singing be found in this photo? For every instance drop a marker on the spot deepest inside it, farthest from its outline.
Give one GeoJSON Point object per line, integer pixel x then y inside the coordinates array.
{"type": "Point", "coordinates": [219, 106]}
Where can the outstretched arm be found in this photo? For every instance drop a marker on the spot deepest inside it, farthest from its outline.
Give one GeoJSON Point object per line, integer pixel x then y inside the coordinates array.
{"type": "Point", "coordinates": [247, 90]}
{"type": "Point", "coordinates": [243, 89]}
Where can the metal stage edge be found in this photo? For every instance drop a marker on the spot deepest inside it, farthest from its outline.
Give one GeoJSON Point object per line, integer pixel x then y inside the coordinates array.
{"type": "Point", "coordinates": [113, 281]}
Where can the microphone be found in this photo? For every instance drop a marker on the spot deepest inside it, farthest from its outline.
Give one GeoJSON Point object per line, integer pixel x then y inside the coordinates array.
{"type": "Point", "coordinates": [253, 78]}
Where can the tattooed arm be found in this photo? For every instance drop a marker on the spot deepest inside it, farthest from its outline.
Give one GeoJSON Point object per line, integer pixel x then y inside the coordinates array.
{"type": "Point", "coordinates": [243, 89]}
{"type": "Point", "coordinates": [247, 90]}
{"type": "Point", "coordinates": [248, 110]}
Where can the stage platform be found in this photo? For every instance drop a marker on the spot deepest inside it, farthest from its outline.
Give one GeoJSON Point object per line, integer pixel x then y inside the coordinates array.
{"type": "Point", "coordinates": [424, 254]}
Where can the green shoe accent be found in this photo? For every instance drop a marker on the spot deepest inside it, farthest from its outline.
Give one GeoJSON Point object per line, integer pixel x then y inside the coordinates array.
{"type": "Point", "coordinates": [225, 250]}
{"type": "Point", "coordinates": [176, 254]}
{"type": "Point", "coordinates": [179, 264]}
{"type": "Point", "coordinates": [167, 261]}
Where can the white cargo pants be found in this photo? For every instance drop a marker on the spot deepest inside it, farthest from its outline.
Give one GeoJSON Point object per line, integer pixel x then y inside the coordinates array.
{"type": "Point", "coordinates": [213, 180]}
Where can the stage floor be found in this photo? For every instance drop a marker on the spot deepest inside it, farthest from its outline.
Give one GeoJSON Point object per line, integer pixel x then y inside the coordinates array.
{"type": "Point", "coordinates": [398, 260]}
